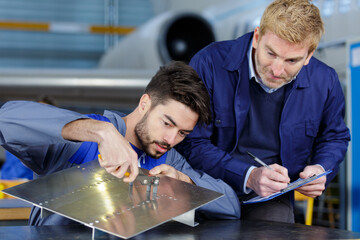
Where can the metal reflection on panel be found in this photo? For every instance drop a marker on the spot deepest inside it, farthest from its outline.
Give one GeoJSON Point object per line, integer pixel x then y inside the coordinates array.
{"type": "Point", "coordinates": [89, 195]}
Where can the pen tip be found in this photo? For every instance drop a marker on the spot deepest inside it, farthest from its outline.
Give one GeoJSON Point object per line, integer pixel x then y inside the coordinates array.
{"type": "Point", "coordinates": [250, 154]}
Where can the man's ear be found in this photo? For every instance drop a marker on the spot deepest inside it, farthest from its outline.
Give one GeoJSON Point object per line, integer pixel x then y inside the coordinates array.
{"type": "Point", "coordinates": [308, 58]}
{"type": "Point", "coordinates": [144, 103]}
{"type": "Point", "coordinates": [256, 37]}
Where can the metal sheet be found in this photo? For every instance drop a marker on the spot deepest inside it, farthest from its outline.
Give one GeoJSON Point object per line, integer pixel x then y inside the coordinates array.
{"type": "Point", "coordinates": [88, 194]}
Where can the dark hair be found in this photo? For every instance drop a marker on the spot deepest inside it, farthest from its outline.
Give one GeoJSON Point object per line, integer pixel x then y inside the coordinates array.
{"type": "Point", "coordinates": [45, 99]}
{"type": "Point", "coordinates": [180, 82]}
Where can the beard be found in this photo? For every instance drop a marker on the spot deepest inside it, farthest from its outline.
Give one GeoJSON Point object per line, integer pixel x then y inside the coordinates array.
{"type": "Point", "coordinates": [264, 73]}
{"type": "Point", "coordinates": [143, 137]}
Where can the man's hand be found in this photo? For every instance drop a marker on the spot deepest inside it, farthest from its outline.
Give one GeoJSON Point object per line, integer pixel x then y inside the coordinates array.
{"type": "Point", "coordinates": [316, 187]}
{"type": "Point", "coordinates": [169, 171]}
{"type": "Point", "coordinates": [117, 156]}
{"type": "Point", "coordinates": [265, 181]}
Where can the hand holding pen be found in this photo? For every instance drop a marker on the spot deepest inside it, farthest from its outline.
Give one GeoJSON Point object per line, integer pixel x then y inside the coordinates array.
{"type": "Point", "coordinates": [265, 182]}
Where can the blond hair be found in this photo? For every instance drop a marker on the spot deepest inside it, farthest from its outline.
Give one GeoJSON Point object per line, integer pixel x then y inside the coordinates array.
{"type": "Point", "coordinates": [297, 21]}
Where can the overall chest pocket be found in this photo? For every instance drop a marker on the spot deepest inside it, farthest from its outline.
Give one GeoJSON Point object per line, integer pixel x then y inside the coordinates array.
{"type": "Point", "coordinates": [224, 118]}
{"type": "Point", "coordinates": [224, 129]}
{"type": "Point", "coordinates": [303, 136]}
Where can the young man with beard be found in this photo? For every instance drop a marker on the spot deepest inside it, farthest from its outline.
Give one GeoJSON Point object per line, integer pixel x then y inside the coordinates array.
{"type": "Point", "coordinates": [271, 98]}
{"type": "Point", "coordinates": [49, 139]}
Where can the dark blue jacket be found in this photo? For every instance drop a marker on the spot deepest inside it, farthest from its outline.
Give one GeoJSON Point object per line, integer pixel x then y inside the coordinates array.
{"type": "Point", "coordinates": [311, 128]}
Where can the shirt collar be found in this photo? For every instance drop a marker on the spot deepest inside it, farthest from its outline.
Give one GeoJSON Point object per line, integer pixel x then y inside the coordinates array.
{"type": "Point", "coordinates": [253, 75]}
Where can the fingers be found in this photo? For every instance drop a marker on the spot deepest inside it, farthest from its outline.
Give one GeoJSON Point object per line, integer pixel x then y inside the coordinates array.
{"type": "Point", "coordinates": [265, 181]}
{"type": "Point", "coordinates": [280, 174]}
{"type": "Point", "coordinates": [311, 170]}
{"type": "Point", "coordinates": [101, 161]}
{"type": "Point", "coordinates": [313, 188]}
{"type": "Point", "coordinates": [164, 169]}
{"type": "Point", "coordinates": [134, 171]}
{"type": "Point", "coordinates": [316, 187]}
{"type": "Point", "coordinates": [311, 191]}
{"type": "Point", "coordinates": [117, 155]}
{"type": "Point", "coordinates": [156, 170]}
{"type": "Point", "coordinates": [120, 169]}
{"type": "Point", "coordinates": [170, 171]}
{"type": "Point", "coordinates": [269, 186]}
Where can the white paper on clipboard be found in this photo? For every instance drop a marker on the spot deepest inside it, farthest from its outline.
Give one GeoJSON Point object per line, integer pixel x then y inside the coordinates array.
{"type": "Point", "coordinates": [290, 187]}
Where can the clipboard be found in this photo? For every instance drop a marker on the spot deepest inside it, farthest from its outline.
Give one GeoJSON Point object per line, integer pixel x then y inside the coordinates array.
{"type": "Point", "coordinates": [298, 183]}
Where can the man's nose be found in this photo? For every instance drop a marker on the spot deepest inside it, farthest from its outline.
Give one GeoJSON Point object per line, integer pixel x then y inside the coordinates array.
{"type": "Point", "coordinates": [170, 137]}
{"type": "Point", "coordinates": [278, 67]}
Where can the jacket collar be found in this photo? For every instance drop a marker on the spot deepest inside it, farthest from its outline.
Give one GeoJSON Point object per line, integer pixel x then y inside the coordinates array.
{"type": "Point", "coordinates": [302, 80]}
{"type": "Point", "coordinates": [238, 53]}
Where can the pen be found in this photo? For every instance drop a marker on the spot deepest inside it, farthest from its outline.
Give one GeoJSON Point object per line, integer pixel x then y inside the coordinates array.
{"type": "Point", "coordinates": [259, 160]}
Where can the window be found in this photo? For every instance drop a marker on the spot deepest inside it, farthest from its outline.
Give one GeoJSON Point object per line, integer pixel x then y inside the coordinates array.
{"type": "Point", "coordinates": [344, 6]}
{"type": "Point", "coordinates": [64, 49]}
{"type": "Point", "coordinates": [328, 8]}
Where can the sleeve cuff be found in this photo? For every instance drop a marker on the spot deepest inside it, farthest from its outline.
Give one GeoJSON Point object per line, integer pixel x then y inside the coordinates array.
{"type": "Point", "coordinates": [246, 189]}
{"type": "Point", "coordinates": [321, 167]}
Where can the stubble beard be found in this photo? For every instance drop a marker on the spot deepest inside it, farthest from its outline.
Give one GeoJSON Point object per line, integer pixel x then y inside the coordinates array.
{"type": "Point", "coordinates": [143, 137]}
{"type": "Point", "coordinates": [262, 72]}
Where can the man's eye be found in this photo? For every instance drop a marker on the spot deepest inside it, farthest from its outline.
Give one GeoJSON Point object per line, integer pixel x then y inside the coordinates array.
{"type": "Point", "coordinates": [182, 134]}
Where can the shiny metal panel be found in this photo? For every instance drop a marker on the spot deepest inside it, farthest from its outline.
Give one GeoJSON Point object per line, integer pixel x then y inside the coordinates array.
{"type": "Point", "coordinates": [88, 194]}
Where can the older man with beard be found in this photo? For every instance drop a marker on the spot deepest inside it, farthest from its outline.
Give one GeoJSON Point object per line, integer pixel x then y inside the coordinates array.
{"type": "Point", "coordinates": [48, 139]}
